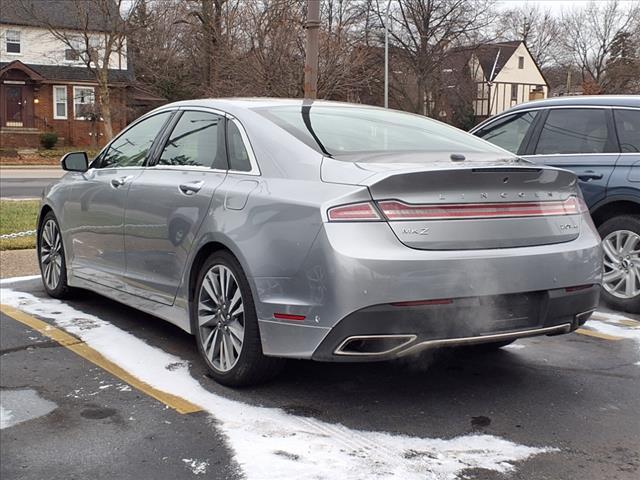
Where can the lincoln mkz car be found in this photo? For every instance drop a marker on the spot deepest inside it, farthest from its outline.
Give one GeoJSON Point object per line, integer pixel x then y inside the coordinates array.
{"type": "Point", "coordinates": [320, 230]}
{"type": "Point", "coordinates": [598, 138]}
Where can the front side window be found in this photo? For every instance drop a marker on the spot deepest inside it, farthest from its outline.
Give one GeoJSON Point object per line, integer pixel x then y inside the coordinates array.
{"type": "Point", "coordinates": [338, 131]}
{"type": "Point", "coordinates": [84, 102]}
{"type": "Point", "coordinates": [60, 102]}
{"type": "Point", "coordinates": [628, 127]}
{"type": "Point", "coordinates": [573, 130]}
{"type": "Point", "coordinates": [13, 41]}
{"type": "Point", "coordinates": [131, 148]}
{"type": "Point", "coordinates": [197, 140]}
{"type": "Point", "coordinates": [238, 155]}
{"type": "Point", "coordinates": [509, 132]}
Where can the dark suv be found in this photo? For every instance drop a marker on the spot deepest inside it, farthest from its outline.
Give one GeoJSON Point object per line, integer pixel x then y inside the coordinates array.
{"type": "Point", "coordinates": [597, 137]}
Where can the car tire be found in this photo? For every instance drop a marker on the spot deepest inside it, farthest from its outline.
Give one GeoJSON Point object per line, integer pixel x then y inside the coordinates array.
{"type": "Point", "coordinates": [615, 232]}
{"type": "Point", "coordinates": [220, 329]}
{"type": "Point", "coordinates": [51, 258]}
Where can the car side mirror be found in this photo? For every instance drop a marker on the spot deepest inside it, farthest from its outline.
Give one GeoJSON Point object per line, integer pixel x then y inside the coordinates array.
{"type": "Point", "coordinates": [75, 162]}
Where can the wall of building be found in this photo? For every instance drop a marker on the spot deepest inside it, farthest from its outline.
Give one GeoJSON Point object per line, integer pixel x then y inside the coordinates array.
{"type": "Point", "coordinates": [38, 46]}
{"type": "Point", "coordinates": [71, 131]}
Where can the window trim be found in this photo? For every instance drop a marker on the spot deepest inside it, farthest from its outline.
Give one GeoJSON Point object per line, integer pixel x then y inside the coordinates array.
{"type": "Point", "coordinates": [19, 42]}
{"type": "Point", "coordinates": [515, 98]}
{"type": "Point", "coordinates": [76, 87]}
{"type": "Point", "coordinates": [55, 103]}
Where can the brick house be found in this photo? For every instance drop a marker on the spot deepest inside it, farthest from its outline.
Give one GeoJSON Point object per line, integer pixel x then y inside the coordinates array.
{"type": "Point", "coordinates": [45, 86]}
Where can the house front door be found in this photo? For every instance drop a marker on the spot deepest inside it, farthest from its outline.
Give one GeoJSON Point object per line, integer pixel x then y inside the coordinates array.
{"type": "Point", "coordinates": [14, 105]}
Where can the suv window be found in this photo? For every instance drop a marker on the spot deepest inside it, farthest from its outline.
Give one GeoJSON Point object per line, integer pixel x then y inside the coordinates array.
{"type": "Point", "coordinates": [509, 132]}
{"type": "Point", "coordinates": [628, 127]}
{"type": "Point", "coordinates": [131, 148]}
{"type": "Point", "coordinates": [238, 155]}
{"type": "Point", "coordinates": [574, 130]}
{"type": "Point", "coordinates": [197, 140]}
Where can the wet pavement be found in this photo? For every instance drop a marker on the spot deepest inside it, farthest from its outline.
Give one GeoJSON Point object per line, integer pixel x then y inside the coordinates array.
{"type": "Point", "coordinates": [574, 399]}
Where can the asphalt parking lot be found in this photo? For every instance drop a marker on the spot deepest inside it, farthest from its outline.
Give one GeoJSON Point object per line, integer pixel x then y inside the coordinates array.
{"type": "Point", "coordinates": [562, 407]}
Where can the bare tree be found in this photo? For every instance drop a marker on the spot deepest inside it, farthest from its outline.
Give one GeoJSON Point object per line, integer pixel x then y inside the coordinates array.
{"type": "Point", "coordinates": [538, 28]}
{"type": "Point", "coordinates": [422, 34]}
{"type": "Point", "coordinates": [589, 36]}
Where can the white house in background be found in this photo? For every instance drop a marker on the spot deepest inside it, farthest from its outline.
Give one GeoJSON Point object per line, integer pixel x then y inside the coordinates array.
{"type": "Point", "coordinates": [506, 75]}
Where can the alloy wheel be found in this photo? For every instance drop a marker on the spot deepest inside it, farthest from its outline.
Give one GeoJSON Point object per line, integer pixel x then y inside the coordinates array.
{"type": "Point", "coordinates": [51, 254]}
{"type": "Point", "coordinates": [622, 263]}
{"type": "Point", "coordinates": [221, 318]}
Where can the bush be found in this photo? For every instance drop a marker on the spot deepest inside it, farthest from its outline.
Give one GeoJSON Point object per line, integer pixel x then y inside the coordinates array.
{"type": "Point", "coordinates": [48, 140]}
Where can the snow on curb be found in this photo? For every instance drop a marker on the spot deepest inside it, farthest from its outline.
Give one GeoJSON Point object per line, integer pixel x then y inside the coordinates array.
{"type": "Point", "coordinates": [269, 443]}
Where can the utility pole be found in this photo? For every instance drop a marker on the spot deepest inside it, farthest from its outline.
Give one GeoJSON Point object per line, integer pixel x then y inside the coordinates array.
{"type": "Point", "coordinates": [311, 58]}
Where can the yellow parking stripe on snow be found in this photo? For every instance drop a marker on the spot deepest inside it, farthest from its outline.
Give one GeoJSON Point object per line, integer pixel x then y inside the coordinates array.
{"type": "Point", "coordinates": [593, 333]}
{"type": "Point", "coordinates": [80, 348]}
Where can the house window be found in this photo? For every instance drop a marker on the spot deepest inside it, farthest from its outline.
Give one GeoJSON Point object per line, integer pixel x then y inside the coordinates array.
{"type": "Point", "coordinates": [521, 63]}
{"type": "Point", "coordinates": [60, 102]}
{"type": "Point", "coordinates": [13, 41]}
{"type": "Point", "coordinates": [83, 102]}
{"type": "Point", "coordinates": [71, 55]}
{"type": "Point", "coordinates": [514, 92]}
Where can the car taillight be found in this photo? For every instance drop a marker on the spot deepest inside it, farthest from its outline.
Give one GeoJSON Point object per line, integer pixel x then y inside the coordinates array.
{"type": "Point", "coordinates": [396, 210]}
{"type": "Point", "coordinates": [354, 212]}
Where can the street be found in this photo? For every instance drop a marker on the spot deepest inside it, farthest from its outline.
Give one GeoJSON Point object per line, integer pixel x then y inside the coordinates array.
{"type": "Point", "coordinates": [562, 407]}
{"type": "Point", "coordinates": [26, 182]}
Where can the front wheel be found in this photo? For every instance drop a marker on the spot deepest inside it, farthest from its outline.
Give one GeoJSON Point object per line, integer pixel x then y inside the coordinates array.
{"type": "Point", "coordinates": [53, 265]}
{"type": "Point", "coordinates": [621, 276]}
{"type": "Point", "coordinates": [226, 325]}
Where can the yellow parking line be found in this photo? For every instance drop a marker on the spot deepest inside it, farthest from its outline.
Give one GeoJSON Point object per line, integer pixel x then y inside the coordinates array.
{"type": "Point", "coordinates": [80, 348]}
{"type": "Point", "coordinates": [593, 333]}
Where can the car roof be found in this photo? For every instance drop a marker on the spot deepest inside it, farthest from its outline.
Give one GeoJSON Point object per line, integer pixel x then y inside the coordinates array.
{"type": "Point", "coordinates": [259, 102]}
{"type": "Point", "coordinates": [582, 101]}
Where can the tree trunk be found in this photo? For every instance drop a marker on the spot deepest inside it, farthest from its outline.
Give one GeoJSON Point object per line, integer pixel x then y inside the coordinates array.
{"type": "Point", "coordinates": [104, 103]}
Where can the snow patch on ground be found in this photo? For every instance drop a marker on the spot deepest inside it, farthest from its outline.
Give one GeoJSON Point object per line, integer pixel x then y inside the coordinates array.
{"type": "Point", "coordinates": [196, 466]}
{"type": "Point", "coordinates": [269, 443]}
{"type": "Point", "coordinates": [9, 281]}
{"type": "Point", "coordinates": [6, 418]}
{"type": "Point", "coordinates": [617, 329]}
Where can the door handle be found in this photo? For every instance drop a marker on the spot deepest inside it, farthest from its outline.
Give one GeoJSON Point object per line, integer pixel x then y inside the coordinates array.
{"type": "Point", "coordinates": [589, 175]}
{"type": "Point", "coordinates": [191, 188]}
{"type": "Point", "coordinates": [118, 182]}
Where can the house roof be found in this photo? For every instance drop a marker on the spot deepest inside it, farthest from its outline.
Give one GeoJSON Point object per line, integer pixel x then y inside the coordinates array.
{"type": "Point", "coordinates": [488, 54]}
{"type": "Point", "coordinates": [65, 14]}
{"type": "Point", "coordinates": [67, 73]}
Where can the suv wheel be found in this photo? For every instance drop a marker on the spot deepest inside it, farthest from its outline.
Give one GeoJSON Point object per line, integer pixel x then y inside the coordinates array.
{"type": "Point", "coordinates": [226, 325]}
{"type": "Point", "coordinates": [621, 278]}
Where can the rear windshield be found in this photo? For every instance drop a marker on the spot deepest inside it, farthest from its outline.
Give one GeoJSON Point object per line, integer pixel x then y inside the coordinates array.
{"type": "Point", "coordinates": [336, 131]}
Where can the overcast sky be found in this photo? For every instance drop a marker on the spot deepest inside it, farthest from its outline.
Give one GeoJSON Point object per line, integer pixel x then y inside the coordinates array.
{"type": "Point", "coordinates": [556, 6]}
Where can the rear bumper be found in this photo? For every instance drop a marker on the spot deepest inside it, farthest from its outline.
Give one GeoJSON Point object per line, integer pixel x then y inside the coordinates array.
{"type": "Point", "coordinates": [353, 273]}
{"type": "Point", "coordinates": [465, 321]}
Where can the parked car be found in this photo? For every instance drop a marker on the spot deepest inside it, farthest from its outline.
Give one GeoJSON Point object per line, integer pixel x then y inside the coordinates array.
{"type": "Point", "coordinates": [597, 137]}
{"type": "Point", "coordinates": [325, 231]}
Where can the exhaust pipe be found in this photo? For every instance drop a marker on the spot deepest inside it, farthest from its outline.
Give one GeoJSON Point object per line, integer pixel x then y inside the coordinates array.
{"type": "Point", "coordinates": [371, 345]}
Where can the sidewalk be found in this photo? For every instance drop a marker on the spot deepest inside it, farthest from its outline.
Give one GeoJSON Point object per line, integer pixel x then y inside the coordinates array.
{"type": "Point", "coordinates": [18, 263]}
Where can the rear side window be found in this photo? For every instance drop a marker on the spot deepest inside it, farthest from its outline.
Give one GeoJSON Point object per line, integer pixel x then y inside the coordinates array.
{"type": "Point", "coordinates": [509, 132]}
{"type": "Point", "coordinates": [574, 130]}
{"type": "Point", "coordinates": [131, 148]}
{"type": "Point", "coordinates": [197, 140]}
{"type": "Point", "coordinates": [628, 127]}
{"type": "Point", "coordinates": [238, 155]}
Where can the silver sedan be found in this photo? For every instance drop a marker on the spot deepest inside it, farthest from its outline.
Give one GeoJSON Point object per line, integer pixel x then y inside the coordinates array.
{"type": "Point", "coordinates": [325, 231]}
